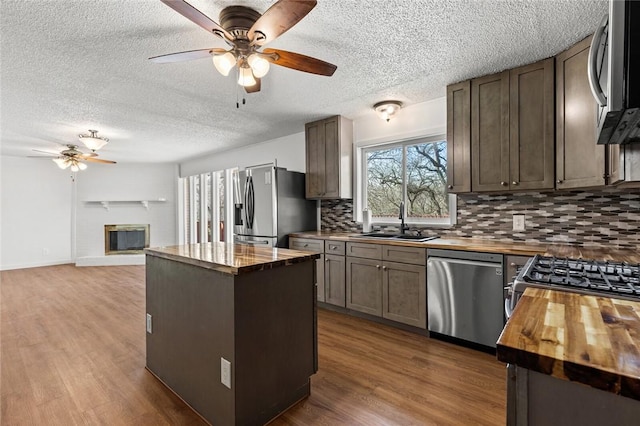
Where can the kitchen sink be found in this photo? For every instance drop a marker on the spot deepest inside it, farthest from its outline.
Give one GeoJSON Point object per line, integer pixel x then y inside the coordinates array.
{"type": "Point", "coordinates": [417, 238]}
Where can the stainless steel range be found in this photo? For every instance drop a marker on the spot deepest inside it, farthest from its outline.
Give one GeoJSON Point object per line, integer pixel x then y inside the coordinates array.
{"type": "Point", "coordinates": [612, 279]}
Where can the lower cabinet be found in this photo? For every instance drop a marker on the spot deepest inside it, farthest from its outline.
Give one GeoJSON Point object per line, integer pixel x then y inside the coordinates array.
{"type": "Point", "coordinates": [393, 290]}
{"type": "Point", "coordinates": [334, 274]}
{"type": "Point", "coordinates": [404, 293]}
{"type": "Point", "coordinates": [316, 246]}
{"type": "Point", "coordinates": [364, 285]}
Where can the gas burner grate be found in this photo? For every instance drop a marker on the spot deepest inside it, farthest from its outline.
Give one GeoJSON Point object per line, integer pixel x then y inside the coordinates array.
{"type": "Point", "coordinates": [607, 277]}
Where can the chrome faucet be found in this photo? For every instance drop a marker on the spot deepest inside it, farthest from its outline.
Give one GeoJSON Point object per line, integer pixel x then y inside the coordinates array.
{"type": "Point", "coordinates": [403, 227]}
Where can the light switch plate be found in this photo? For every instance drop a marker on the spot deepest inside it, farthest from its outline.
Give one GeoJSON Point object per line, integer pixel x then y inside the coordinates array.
{"type": "Point", "coordinates": [149, 324]}
{"type": "Point", "coordinates": [225, 372]}
{"type": "Point", "coordinates": [518, 222]}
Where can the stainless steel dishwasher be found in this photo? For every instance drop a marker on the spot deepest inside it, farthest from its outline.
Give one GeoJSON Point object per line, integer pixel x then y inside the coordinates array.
{"type": "Point", "coordinates": [465, 295]}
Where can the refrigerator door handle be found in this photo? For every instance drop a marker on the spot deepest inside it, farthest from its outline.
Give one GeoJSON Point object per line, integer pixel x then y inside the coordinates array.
{"type": "Point", "coordinates": [249, 202]}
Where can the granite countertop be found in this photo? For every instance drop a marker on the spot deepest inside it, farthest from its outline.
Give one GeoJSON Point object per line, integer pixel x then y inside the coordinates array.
{"type": "Point", "coordinates": [231, 259]}
{"type": "Point", "coordinates": [487, 246]}
{"type": "Point", "coordinates": [587, 339]}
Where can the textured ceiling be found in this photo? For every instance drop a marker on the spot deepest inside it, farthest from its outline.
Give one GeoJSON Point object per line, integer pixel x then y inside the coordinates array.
{"type": "Point", "coordinates": [69, 66]}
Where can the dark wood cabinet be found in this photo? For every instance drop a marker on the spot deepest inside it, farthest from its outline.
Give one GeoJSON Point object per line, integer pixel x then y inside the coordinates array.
{"type": "Point", "coordinates": [512, 129]}
{"type": "Point", "coordinates": [490, 133]}
{"type": "Point", "coordinates": [328, 145]}
{"type": "Point", "coordinates": [334, 279]}
{"type": "Point", "coordinates": [316, 246]}
{"type": "Point", "coordinates": [364, 285]}
{"type": "Point", "coordinates": [532, 126]}
{"type": "Point", "coordinates": [580, 161]}
{"type": "Point", "coordinates": [459, 137]}
{"type": "Point", "coordinates": [388, 281]}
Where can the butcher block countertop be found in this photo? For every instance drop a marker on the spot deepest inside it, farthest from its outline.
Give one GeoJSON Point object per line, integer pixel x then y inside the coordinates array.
{"type": "Point", "coordinates": [587, 339]}
{"type": "Point", "coordinates": [231, 259]}
{"type": "Point", "coordinates": [486, 246]}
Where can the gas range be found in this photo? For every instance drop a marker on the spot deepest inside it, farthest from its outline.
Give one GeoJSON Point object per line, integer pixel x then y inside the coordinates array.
{"type": "Point", "coordinates": [612, 279]}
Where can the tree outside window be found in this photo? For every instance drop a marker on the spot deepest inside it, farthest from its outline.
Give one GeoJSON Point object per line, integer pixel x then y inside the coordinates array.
{"type": "Point", "coordinates": [414, 172]}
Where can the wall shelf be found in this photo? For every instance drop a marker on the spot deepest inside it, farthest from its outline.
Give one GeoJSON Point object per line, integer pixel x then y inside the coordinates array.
{"type": "Point", "coordinates": [108, 203]}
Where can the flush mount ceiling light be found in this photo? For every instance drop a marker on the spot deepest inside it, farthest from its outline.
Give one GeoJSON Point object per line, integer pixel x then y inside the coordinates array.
{"type": "Point", "coordinates": [93, 141]}
{"type": "Point", "coordinates": [387, 109]}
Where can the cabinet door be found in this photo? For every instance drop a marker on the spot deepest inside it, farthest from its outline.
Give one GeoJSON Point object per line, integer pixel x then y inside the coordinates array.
{"type": "Point", "coordinates": [334, 279]}
{"type": "Point", "coordinates": [364, 285]}
{"type": "Point", "coordinates": [490, 133]}
{"type": "Point", "coordinates": [331, 175]}
{"type": "Point", "coordinates": [315, 159]}
{"type": "Point", "coordinates": [459, 137]}
{"type": "Point", "coordinates": [404, 293]}
{"type": "Point", "coordinates": [580, 161]}
{"type": "Point", "coordinates": [531, 118]}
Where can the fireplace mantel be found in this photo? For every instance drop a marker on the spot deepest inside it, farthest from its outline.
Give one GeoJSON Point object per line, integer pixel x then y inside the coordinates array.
{"type": "Point", "coordinates": [108, 203]}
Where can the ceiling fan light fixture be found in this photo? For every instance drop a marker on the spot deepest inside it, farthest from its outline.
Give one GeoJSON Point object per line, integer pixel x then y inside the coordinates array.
{"type": "Point", "coordinates": [258, 64]}
{"type": "Point", "coordinates": [224, 62]}
{"type": "Point", "coordinates": [387, 109]}
{"type": "Point", "coordinates": [61, 162]}
{"type": "Point", "coordinates": [93, 141]}
{"type": "Point", "coordinates": [245, 76]}
{"type": "Point", "coordinates": [82, 166]}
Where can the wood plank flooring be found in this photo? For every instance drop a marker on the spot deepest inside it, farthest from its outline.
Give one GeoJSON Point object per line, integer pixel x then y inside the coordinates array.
{"type": "Point", "coordinates": [73, 353]}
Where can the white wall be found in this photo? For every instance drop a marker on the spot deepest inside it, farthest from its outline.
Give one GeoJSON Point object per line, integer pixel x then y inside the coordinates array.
{"type": "Point", "coordinates": [125, 182]}
{"type": "Point", "coordinates": [423, 119]}
{"type": "Point", "coordinates": [44, 216]}
{"type": "Point", "coordinates": [288, 151]}
{"type": "Point", "coordinates": [35, 213]}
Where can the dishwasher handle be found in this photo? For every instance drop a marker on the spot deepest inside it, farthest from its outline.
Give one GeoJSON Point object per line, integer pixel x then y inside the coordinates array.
{"type": "Point", "coordinates": [466, 262]}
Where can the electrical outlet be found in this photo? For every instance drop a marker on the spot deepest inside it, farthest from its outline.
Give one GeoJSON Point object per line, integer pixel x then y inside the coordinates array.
{"type": "Point", "coordinates": [518, 222]}
{"type": "Point", "coordinates": [149, 325]}
{"type": "Point", "coordinates": [225, 372]}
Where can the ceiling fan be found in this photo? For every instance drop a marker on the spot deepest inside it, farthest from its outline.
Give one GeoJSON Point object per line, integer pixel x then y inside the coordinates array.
{"type": "Point", "coordinates": [246, 32]}
{"type": "Point", "coordinates": [73, 158]}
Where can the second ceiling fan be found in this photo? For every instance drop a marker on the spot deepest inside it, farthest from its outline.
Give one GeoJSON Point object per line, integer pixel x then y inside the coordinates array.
{"type": "Point", "coordinates": [246, 32]}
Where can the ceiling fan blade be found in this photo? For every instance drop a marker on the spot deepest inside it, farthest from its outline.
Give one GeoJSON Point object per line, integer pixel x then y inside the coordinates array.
{"type": "Point", "coordinates": [188, 55]}
{"type": "Point", "coordinates": [197, 17]}
{"type": "Point", "coordinates": [42, 156]}
{"type": "Point", "coordinates": [300, 62]}
{"type": "Point", "coordinates": [255, 88]}
{"type": "Point", "coordinates": [46, 152]}
{"type": "Point", "coordinates": [281, 16]}
{"type": "Point", "coordinates": [97, 160]}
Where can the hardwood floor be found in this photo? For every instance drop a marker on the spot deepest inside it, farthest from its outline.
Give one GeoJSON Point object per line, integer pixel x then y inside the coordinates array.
{"type": "Point", "coordinates": [73, 352]}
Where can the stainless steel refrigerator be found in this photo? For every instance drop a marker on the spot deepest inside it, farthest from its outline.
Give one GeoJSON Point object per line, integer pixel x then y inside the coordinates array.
{"type": "Point", "coordinates": [269, 204]}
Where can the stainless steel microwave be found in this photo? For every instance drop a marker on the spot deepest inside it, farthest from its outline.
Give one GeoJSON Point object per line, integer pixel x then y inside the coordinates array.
{"type": "Point", "coordinates": [614, 73]}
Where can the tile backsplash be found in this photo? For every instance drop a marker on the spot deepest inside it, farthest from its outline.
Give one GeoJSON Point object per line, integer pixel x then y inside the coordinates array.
{"type": "Point", "coordinates": [597, 218]}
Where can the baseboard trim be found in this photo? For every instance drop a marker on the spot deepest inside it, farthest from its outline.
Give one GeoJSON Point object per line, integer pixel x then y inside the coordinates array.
{"type": "Point", "coordinates": [35, 265]}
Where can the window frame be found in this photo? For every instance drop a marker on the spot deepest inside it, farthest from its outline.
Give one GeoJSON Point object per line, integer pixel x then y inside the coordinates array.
{"type": "Point", "coordinates": [361, 202]}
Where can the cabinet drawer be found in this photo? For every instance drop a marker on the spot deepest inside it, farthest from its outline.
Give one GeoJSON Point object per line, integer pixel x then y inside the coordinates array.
{"type": "Point", "coordinates": [306, 244]}
{"type": "Point", "coordinates": [370, 251]}
{"type": "Point", "coordinates": [414, 255]}
{"type": "Point", "coordinates": [334, 247]}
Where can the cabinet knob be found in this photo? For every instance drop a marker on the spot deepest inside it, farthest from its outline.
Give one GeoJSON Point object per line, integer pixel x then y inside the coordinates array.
{"type": "Point", "coordinates": [384, 268]}
{"type": "Point", "coordinates": [558, 181]}
{"type": "Point", "coordinates": [306, 245]}
{"type": "Point", "coordinates": [333, 247]}
{"type": "Point", "coordinates": [513, 264]}
{"type": "Point", "coordinates": [449, 186]}
{"type": "Point", "coordinates": [504, 183]}
{"type": "Point", "coordinates": [514, 183]}
{"type": "Point", "coordinates": [378, 266]}
{"type": "Point", "coordinates": [326, 260]}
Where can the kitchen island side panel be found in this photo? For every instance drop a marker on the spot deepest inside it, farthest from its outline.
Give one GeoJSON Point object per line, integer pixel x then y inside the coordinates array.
{"type": "Point", "coordinates": [275, 340]}
{"type": "Point", "coordinates": [192, 327]}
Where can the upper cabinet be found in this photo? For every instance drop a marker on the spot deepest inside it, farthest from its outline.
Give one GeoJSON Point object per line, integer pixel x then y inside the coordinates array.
{"type": "Point", "coordinates": [512, 129]}
{"type": "Point", "coordinates": [459, 137]}
{"type": "Point", "coordinates": [580, 162]}
{"type": "Point", "coordinates": [328, 158]}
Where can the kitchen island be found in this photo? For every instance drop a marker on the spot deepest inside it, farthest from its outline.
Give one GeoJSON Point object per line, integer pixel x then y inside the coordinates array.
{"type": "Point", "coordinates": [574, 359]}
{"type": "Point", "coordinates": [231, 329]}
